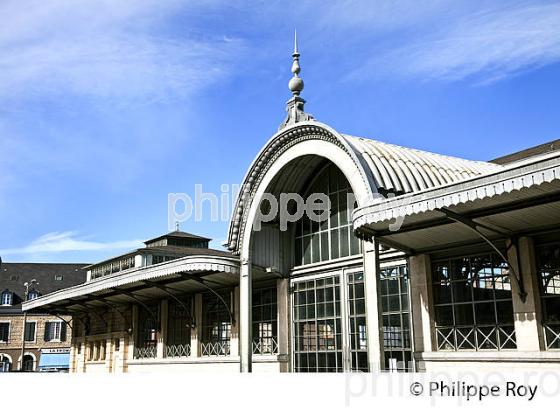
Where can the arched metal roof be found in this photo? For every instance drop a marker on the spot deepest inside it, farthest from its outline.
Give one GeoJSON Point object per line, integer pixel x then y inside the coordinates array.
{"type": "Point", "coordinates": [402, 170]}
{"type": "Point", "coordinates": [381, 167]}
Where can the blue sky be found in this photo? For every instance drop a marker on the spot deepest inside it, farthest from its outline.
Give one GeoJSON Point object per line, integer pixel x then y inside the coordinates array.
{"type": "Point", "coordinates": [106, 107]}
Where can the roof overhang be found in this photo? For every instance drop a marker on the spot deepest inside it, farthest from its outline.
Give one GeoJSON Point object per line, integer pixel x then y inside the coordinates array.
{"type": "Point", "coordinates": [179, 276]}
{"type": "Point", "coordinates": [521, 198]}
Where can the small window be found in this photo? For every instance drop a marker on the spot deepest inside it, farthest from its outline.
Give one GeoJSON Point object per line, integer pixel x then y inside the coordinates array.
{"type": "Point", "coordinates": [14, 278]}
{"type": "Point", "coordinates": [30, 328]}
{"type": "Point", "coordinates": [55, 331]}
{"type": "Point", "coordinates": [32, 295]}
{"type": "Point", "coordinates": [6, 298]}
{"type": "Point", "coordinates": [58, 278]}
{"type": "Point", "coordinates": [4, 331]}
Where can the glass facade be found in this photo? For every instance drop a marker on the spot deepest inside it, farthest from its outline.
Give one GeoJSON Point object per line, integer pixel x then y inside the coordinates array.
{"type": "Point", "coordinates": [179, 328]}
{"type": "Point", "coordinates": [473, 303]}
{"type": "Point", "coordinates": [395, 312]}
{"type": "Point", "coordinates": [548, 267]}
{"type": "Point", "coordinates": [216, 324]}
{"type": "Point", "coordinates": [265, 321]}
{"type": "Point", "coordinates": [318, 326]}
{"type": "Point", "coordinates": [357, 322]}
{"type": "Point", "coordinates": [333, 237]}
{"type": "Point", "coordinates": [328, 322]}
{"type": "Point", "coordinates": [146, 344]}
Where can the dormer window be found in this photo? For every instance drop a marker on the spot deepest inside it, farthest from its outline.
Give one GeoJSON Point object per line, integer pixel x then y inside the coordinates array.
{"type": "Point", "coordinates": [6, 299]}
{"type": "Point", "coordinates": [33, 294]}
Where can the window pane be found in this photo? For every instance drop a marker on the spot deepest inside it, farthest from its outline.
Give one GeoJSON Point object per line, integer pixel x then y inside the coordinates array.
{"type": "Point", "coordinates": [485, 313]}
{"type": "Point", "coordinates": [461, 291]}
{"type": "Point", "coordinates": [306, 249]}
{"type": "Point", "coordinates": [505, 312]}
{"type": "Point", "coordinates": [316, 248]}
{"type": "Point", "coordinates": [442, 293]}
{"type": "Point", "coordinates": [344, 242]}
{"type": "Point", "coordinates": [444, 315]}
{"type": "Point", "coordinates": [334, 244]}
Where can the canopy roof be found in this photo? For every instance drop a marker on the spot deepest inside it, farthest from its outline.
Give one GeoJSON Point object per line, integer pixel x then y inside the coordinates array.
{"type": "Point", "coordinates": [519, 198]}
{"type": "Point", "coordinates": [184, 275]}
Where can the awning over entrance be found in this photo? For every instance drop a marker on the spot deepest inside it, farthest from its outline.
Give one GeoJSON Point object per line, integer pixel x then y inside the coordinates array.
{"type": "Point", "coordinates": [520, 199]}
{"type": "Point", "coordinates": [54, 361]}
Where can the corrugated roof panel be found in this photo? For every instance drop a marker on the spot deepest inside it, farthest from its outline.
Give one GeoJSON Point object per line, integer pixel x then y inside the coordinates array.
{"type": "Point", "coordinates": [404, 170]}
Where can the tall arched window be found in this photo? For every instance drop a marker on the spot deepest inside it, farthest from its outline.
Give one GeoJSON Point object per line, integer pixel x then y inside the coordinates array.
{"type": "Point", "coordinates": [332, 238]}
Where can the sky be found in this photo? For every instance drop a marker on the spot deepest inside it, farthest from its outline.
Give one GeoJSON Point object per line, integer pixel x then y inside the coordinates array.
{"type": "Point", "coordinates": [107, 107]}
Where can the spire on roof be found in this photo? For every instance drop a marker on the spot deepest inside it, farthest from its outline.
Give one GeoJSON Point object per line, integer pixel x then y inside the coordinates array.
{"type": "Point", "coordinates": [296, 103]}
{"type": "Point", "coordinates": [296, 83]}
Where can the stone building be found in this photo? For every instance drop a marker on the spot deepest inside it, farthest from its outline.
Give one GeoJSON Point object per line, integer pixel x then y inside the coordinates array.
{"type": "Point", "coordinates": [424, 261]}
{"type": "Point", "coordinates": [47, 345]}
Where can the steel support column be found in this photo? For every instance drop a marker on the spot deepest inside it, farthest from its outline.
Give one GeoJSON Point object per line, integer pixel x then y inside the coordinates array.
{"type": "Point", "coordinates": [245, 317]}
{"type": "Point", "coordinates": [373, 316]}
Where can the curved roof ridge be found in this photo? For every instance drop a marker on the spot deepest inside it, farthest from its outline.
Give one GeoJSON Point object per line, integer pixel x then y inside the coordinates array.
{"type": "Point", "coordinates": [409, 169]}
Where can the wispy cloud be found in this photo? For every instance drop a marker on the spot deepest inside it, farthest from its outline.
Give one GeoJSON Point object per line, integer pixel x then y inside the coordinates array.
{"type": "Point", "coordinates": [57, 242]}
{"type": "Point", "coordinates": [482, 46]}
{"type": "Point", "coordinates": [105, 49]}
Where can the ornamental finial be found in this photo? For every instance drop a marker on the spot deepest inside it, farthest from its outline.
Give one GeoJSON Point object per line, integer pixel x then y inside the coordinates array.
{"type": "Point", "coordinates": [296, 103]}
{"type": "Point", "coordinates": [296, 83]}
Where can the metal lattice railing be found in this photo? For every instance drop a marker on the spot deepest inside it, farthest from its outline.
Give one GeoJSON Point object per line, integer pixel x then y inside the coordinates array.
{"type": "Point", "coordinates": [476, 338]}
{"type": "Point", "coordinates": [178, 350]}
{"type": "Point", "coordinates": [265, 346]}
{"type": "Point", "coordinates": [148, 352]}
{"type": "Point", "coordinates": [215, 348]}
{"type": "Point", "coordinates": [552, 336]}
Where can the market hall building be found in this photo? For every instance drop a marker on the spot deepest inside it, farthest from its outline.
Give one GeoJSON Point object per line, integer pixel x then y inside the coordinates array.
{"type": "Point", "coordinates": [435, 262]}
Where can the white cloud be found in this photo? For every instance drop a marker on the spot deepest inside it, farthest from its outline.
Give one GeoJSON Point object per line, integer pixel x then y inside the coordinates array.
{"type": "Point", "coordinates": [378, 15]}
{"type": "Point", "coordinates": [105, 49]}
{"type": "Point", "coordinates": [484, 46]}
{"type": "Point", "coordinates": [57, 242]}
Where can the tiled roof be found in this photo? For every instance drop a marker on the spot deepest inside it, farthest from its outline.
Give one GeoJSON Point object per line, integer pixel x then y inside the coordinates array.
{"type": "Point", "coordinates": [14, 275]}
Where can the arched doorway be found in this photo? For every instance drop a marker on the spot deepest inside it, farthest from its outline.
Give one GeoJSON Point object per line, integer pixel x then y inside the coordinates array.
{"type": "Point", "coordinates": [28, 364]}
{"type": "Point", "coordinates": [323, 261]}
{"type": "Point", "coordinates": [5, 364]}
{"type": "Point", "coordinates": [291, 162]}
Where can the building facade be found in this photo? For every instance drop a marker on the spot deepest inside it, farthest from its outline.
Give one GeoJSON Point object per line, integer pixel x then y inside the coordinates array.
{"type": "Point", "coordinates": [41, 337]}
{"type": "Point", "coordinates": [422, 262]}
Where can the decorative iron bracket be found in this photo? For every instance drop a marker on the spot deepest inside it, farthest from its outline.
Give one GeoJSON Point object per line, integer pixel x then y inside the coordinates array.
{"type": "Point", "coordinates": [475, 227]}
{"type": "Point", "coordinates": [167, 291]}
{"type": "Point", "coordinates": [116, 309]}
{"type": "Point", "coordinates": [57, 314]}
{"type": "Point", "coordinates": [203, 283]}
{"type": "Point", "coordinates": [141, 303]}
{"type": "Point", "coordinates": [91, 310]}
